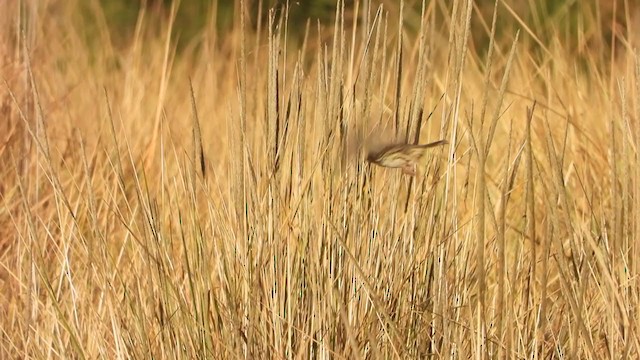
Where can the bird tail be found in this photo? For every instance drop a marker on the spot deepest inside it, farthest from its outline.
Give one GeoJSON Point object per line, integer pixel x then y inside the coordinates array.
{"type": "Point", "coordinates": [435, 143]}
{"type": "Point", "coordinates": [423, 153]}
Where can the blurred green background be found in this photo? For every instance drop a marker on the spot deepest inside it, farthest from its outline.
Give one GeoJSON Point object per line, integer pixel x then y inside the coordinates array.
{"type": "Point", "coordinates": [575, 23]}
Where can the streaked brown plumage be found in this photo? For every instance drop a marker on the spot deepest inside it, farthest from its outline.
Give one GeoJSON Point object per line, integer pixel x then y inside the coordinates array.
{"type": "Point", "coordinates": [405, 156]}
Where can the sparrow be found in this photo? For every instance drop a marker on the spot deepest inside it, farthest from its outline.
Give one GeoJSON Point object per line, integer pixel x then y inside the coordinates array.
{"type": "Point", "coordinates": [405, 156]}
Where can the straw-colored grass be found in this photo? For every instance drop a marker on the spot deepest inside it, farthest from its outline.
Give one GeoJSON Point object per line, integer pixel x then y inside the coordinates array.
{"type": "Point", "coordinates": [215, 202]}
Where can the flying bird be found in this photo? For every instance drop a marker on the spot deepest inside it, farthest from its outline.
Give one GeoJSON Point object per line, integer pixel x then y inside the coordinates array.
{"type": "Point", "coordinates": [405, 156]}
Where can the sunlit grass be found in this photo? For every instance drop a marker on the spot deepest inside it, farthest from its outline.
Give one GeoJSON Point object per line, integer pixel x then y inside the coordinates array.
{"type": "Point", "coordinates": [215, 201]}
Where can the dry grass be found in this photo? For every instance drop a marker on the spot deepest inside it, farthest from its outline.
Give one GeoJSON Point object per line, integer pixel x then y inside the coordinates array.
{"type": "Point", "coordinates": [215, 203]}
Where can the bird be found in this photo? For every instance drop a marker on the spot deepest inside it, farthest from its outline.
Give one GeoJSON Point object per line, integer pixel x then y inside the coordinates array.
{"type": "Point", "coordinates": [404, 156]}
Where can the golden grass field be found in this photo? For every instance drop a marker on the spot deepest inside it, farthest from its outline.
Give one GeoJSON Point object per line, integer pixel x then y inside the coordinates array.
{"type": "Point", "coordinates": [518, 239]}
